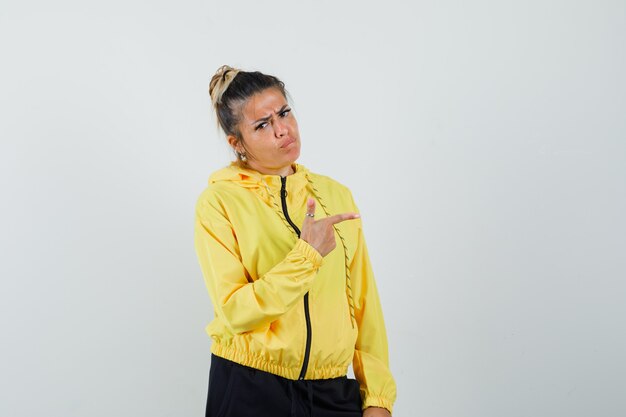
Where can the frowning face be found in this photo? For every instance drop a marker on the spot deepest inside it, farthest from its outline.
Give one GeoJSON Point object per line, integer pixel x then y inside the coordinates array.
{"type": "Point", "coordinates": [270, 133]}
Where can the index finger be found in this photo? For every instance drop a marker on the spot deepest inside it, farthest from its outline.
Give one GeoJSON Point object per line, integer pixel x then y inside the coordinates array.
{"type": "Point", "coordinates": [341, 217]}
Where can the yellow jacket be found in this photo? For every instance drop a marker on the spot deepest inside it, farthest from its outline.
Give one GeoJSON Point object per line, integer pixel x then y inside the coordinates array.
{"type": "Point", "coordinates": [279, 306]}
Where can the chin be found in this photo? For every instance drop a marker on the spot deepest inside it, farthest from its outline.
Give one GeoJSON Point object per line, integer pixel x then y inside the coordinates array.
{"type": "Point", "coordinates": [294, 155]}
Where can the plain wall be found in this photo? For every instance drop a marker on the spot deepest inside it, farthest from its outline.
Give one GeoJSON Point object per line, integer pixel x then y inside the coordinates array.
{"type": "Point", "coordinates": [484, 142]}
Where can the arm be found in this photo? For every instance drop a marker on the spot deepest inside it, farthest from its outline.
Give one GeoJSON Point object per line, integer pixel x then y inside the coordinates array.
{"type": "Point", "coordinates": [241, 304]}
{"type": "Point", "coordinates": [371, 362]}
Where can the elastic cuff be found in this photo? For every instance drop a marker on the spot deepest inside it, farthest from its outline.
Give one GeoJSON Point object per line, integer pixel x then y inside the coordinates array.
{"type": "Point", "coordinates": [309, 252]}
{"type": "Point", "coordinates": [378, 402]}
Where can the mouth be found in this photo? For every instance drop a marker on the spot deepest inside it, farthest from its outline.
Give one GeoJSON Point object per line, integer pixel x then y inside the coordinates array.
{"type": "Point", "coordinates": [288, 142]}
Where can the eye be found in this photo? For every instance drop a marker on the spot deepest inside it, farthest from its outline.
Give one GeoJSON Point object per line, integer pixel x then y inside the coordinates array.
{"type": "Point", "coordinates": [283, 113]}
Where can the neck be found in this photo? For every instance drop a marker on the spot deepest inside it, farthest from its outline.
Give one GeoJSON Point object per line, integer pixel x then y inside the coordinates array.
{"type": "Point", "coordinates": [282, 171]}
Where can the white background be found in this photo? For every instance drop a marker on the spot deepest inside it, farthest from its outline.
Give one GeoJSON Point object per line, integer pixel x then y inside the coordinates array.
{"type": "Point", "coordinates": [484, 142]}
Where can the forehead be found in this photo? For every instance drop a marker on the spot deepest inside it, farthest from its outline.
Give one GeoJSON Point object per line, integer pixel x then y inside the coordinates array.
{"type": "Point", "coordinates": [263, 104]}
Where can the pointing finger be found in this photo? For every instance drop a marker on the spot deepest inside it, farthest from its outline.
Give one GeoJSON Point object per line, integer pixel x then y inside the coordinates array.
{"type": "Point", "coordinates": [341, 217]}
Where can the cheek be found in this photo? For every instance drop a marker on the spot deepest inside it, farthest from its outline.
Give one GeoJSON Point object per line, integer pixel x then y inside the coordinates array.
{"type": "Point", "coordinates": [266, 144]}
{"type": "Point", "coordinates": [294, 125]}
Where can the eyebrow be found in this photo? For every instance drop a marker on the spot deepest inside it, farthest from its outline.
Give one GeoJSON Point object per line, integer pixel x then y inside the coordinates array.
{"type": "Point", "coordinates": [263, 119]}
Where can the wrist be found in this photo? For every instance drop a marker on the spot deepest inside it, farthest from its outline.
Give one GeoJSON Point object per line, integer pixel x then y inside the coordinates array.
{"type": "Point", "coordinates": [373, 411]}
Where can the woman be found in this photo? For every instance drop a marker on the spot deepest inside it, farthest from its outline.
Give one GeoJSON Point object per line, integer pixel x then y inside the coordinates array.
{"type": "Point", "coordinates": [292, 309]}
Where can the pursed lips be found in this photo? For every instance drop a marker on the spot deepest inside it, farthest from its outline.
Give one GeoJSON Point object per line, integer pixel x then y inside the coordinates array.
{"type": "Point", "coordinates": [289, 141]}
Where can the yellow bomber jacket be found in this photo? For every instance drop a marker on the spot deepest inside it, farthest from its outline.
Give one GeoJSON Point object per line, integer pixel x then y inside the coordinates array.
{"type": "Point", "coordinates": [279, 306]}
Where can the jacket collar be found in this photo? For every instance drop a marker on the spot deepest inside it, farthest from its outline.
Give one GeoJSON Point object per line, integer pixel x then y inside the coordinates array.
{"type": "Point", "coordinates": [263, 184]}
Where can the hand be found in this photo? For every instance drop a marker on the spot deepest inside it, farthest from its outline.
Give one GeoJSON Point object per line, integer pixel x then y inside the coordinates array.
{"type": "Point", "coordinates": [376, 412]}
{"type": "Point", "coordinates": [320, 233]}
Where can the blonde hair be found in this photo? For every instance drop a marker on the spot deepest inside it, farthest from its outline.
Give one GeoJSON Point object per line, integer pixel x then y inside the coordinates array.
{"type": "Point", "coordinates": [229, 89]}
{"type": "Point", "coordinates": [220, 82]}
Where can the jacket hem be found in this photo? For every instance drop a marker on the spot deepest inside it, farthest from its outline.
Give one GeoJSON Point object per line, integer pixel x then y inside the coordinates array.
{"type": "Point", "coordinates": [253, 361]}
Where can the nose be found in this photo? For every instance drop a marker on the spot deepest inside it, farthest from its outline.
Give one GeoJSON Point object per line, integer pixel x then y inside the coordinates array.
{"type": "Point", "coordinates": [280, 128]}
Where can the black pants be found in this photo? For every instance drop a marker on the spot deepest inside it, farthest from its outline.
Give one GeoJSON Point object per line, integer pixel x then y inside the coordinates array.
{"type": "Point", "coordinates": [239, 391]}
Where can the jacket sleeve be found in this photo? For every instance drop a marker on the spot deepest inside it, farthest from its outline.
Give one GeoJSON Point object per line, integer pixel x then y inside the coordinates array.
{"type": "Point", "coordinates": [243, 305]}
{"type": "Point", "coordinates": [371, 360]}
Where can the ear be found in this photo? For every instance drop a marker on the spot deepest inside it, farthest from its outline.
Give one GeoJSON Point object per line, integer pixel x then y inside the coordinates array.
{"type": "Point", "coordinates": [234, 143]}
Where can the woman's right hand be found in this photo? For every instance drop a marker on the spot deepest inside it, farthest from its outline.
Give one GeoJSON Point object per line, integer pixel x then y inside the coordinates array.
{"type": "Point", "coordinates": [320, 233]}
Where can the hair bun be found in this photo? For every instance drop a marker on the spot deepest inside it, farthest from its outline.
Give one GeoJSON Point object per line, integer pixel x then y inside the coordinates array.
{"type": "Point", "coordinates": [220, 82]}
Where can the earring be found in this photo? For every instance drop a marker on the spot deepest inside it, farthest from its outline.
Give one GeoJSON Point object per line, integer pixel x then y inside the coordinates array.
{"type": "Point", "coordinates": [242, 156]}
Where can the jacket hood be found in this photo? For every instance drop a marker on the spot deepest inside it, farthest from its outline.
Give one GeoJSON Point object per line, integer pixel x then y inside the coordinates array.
{"type": "Point", "coordinates": [262, 184]}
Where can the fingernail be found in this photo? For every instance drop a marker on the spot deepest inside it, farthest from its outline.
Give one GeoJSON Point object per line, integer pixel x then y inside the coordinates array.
{"type": "Point", "coordinates": [357, 215]}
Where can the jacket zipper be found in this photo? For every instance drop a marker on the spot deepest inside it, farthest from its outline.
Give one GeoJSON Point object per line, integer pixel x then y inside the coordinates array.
{"type": "Point", "coordinates": [307, 315]}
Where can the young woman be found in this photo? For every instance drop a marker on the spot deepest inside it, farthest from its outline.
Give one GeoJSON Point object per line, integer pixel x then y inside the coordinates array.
{"type": "Point", "coordinates": [286, 266]}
